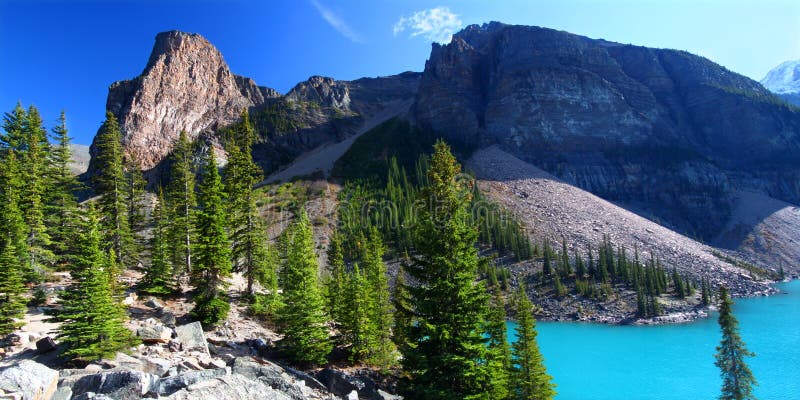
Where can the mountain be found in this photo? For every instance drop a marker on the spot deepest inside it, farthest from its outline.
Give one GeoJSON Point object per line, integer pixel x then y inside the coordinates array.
{"type": "Point", "coordinates": [784, 80]}
{"type": "Point", "coordinates": [665, 133]}
{"type": "Point", "coordinates": [700, 151]}
{"type": "Point", "coordinates": [187, 85]}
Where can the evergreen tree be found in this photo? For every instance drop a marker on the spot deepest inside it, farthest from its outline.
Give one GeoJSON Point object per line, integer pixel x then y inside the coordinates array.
{"type": "Point", "coordinates": [110, 184]}
{"type": "Point", "coordinates": [10, 215]}
{"type": "Point", "coordinates": [182, 204]}
{"type": "Point", "coordinates": [266, 263]}
{"type": "Point", "coordinates": [241, 175]}
{"type": "Point", "coordinates": [93, 320]}
{"type": "Point", "coordinates": [530, 378]}
{"type": "Point", "coordinates": [12, 304]}
{"type": "Point", "coordinates": [403, 317]}
{"type": "Point", "coordinates": [302, 318]}
{"type": "Point", "coordinates": [33, 153]}
{"type": "Point", "coordinates": [63, 206]}
{"type": "Point", "coordinates": [213, 248]}
{"type": "Point", "coordinates": [134, 204]}
{"type": "Point", "coordinates": [558, 286]}
{"type": "Point", "coordinates": [158, 278]}
{"type": "Point", "coordinates": [357, 326]}
{"type": "Point", "coordinates": [382, 350]}
{"type": "Point", "coordinates": [499, 353]}
{"type": "Point", "coordinates": [737, 379]}
{"type": "Point", "coordinates": [677, 283]}
{"type": "Point", "coordinates": [336, 283]}
{"type": "Point", "coordinates": [705, 295]}
{"type": "Point", "coordinates": [446, 351]}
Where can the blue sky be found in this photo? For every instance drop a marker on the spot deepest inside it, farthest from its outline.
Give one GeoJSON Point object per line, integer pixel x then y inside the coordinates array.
{"type": "Point", "coordinates": [63, 55]}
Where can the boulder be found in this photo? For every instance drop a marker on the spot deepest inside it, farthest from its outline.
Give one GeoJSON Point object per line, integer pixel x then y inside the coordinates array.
{"type": "Point", "coordinates": [191, 337]}
{"type": "Point", "coordinates": [156, 366]}
{"type": "Point", "coordinates": [117, 384]}
{"type": "Point", "coordinates": [154, 333]}
{"type": "Point", "coordinates": [125, 361]}
{"type": "Point", "coordinates": [270, 374]}
{"type": "Point", "coordinates": [154, 303]}
{"type": "Point", "coordinates": [341, 384]}
{"type": "Point", "coordinates": [130, 299]}
{"type": "Point", "coordinates": [172, 384]}
{"type": "Point", "coordinates": [29, 379]}
{"type": "Point", "coordinates": [63, 393]}
{"type": "Point", "coordinates": [167, 318]}
{"type": "Point", "coordinates": [17, 339]}
{"type": "Point", "coordinates": [45, 344]}
{"type": "Point", "coordinates": [232, 387]}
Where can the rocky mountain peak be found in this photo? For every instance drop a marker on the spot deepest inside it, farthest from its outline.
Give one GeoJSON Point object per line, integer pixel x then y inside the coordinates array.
{"type": "Point", "coordinates": [322, 90]}
{"type": "Point", "coordinates": [784, 78]}
{"type": "Point", "coordinates": [186, 86]}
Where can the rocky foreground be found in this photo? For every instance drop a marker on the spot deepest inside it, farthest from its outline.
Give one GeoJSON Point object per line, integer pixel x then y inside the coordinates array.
{"type": "Point", "coordinates": [173, 363]}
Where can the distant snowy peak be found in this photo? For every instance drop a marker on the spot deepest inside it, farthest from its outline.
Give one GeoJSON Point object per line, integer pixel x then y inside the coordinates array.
{"type": "Point", "coordinates": [784, 79]}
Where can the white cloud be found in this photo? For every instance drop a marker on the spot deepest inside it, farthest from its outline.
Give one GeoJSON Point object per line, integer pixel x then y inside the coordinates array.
{"type": "Point", "coordinates": [435, 24]}
{"type": "Point", "coordinates": [335, 21]}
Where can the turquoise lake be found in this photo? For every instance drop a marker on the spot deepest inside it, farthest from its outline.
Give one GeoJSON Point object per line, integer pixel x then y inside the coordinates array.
{"type": "Point", "coordinates": [599, 362]}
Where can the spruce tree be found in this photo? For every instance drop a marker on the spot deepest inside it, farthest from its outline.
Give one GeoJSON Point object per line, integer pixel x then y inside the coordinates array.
{"type": "Point", "coordinates": [182, 205]}
{"type": "Point", "coordinates": [93, 320]}
{"type": "Point", "coordinates": [302, 319]}
{"type": "Point", "coordinates": [403, 317]}
{"type": "Point", "coordinates": [63, 206]}
{"type": "Point", "coordinates": [499, 353]}
{"type": "Point", "coordinates": [336, 284]}
{"type": "Point", "coordinates": [382, 350]}
{"type": "Point", "coordinates": [266, 263]}
{"type": "Point", "coordinates": [110, 184]}
{"type": "Point", "coordinates": [12, 304]}
{"type": "Point", "coordinates": [213, 248]}
{"type": "Point", "coordinates": [737, 379]}
{"type": "Point", "coordinates": [358, 328]}
{"type": "Point", "coordinates": [241, 175]}
{"type": "Point", "coordinates": [529, 375]}
{"type": "Point", "coordinates": [158, 278]}
{"type": "Point", "coordinates": [445, 357]}
{"type": "Point", "coordinates": [11, 219]}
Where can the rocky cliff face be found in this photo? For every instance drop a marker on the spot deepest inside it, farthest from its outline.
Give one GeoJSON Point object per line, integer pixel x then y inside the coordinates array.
{"type": "Point", "coordinates": [186, 86]}
{"type": "Point", "coordinates": [784, 80]}
{"type": "Point", "coordinates": [667, 133]}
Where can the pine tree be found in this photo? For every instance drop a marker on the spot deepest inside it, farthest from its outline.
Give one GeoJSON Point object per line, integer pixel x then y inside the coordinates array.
{"type": "Point", "coordinates": [93, 320]}
{"type": "Point", "coordinates": [12, 304]}
{"type": "Point", "coordinates": [10, 215]}
{"type": "Point", "coordinates": [382, 352]}
{"type": "Point", "coordinates": [182, 204]}
{"type": "Point", "coordinates": [158, 278]}
{"type": "Point", "coordinates": [213, 248]}
{"type": "Point", "coordinates": [499, 351]}
{"type": "Point", "coordinates": [529, 377]}
{"type": "Point", "coordinates": [559, 288]}
{"type": "Point", "coordinates": [241, 175]}
{"type": "Point", "coordinates": [677, 282]}
{"type": "Point", "coordinates": [705, 295]}
{"type": "Point", "coordinates": [62, 204]}
{"type": "Point", "coordinates": [266, 263]}
{"type": "Point", "coordinates": [737, 379]}
{"type": "Point", "coordinates": [33, 154]}
{"type": "Point", "coordinates": [446, 351]}
{"type": "Point", "coordinates": [357, 326]}
{"type": "Point", "coordinates": [336, 283]}
{"type": "Point", "coordinates": [302, 318]}
{"type": "Point", "coordinates": [134, 203]}
{"type": "Point", "coordinates": [110, 184]}
{"type": "Point", "coordinates": [403, 318]}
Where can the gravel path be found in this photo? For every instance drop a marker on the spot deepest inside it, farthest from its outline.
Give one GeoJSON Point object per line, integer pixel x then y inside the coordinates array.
{"type": "Point", "coordinates": [554, 209]}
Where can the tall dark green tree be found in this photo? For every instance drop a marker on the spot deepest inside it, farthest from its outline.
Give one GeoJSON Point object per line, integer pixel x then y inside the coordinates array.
{"type": "Point", "coordinates": [93, 319]}
{"type": "Point", "coordinates": [499, 354]}
{"type": "Point", "coordinates": [110, 184]}
{"type": "Point", "coordinates": [182, 206]}
{"type": "Point", "coordinates": [445, 357]}
{"type": "Point", "coordinates": [158, 278]}
{"type": "Point", "coordinates": [241, 175]}
{"type": "Point", "coordinates": [62, 204]}
{"type": "Point", "coordinates": [336, 282]}
{"type": "Point", "coordinates": [382, 352]}
{"type": "Point", "coordinates": [529, 375]}
{"type": "Point", "coordinates": [213, 247]}
{"type": "Point", "coordinates": [12, 304]}
{"type": "Point", "coordinates": [737, 379]}
{"type": "Point", "coordinates": [11, 221]}
{"type": "Point", "coordinates": [302, 319]}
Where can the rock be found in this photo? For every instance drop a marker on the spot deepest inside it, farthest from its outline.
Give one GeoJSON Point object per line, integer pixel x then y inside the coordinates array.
{"type": "Point", "coordinates": [154, 333]}
{"type": "Point", "coordinates": [340, 383]}
{"type": "Point", "coordinates": [167, 318]}
{"type": "Point", "coordinates": [45, 345]}
{"type": "Point", "coordinates": [388, 396]}
{"type": "Point", "coordinates": [154, 303]}
{"type": "Point", "coordinates": [94, 367]}
{"type": "Point", "coordinates": [352, 395]}
{"type": "Point", "coordinates": [172, 384]}
{"type": "Point", "coordinates": [174, 346]}
{"type": "Point", "coordinates": [125, 361]}
{"type": "Point", "coordinates": [33, 337]}
{"type": "Point", "coordinates": [233, 387]}
{"type": "Point", "coordinates": [117, 384]}
{"type": "Point", "coordinates": [33, 381]}
{"type": "Point", "coordinates": [208, 362]}
{"type": "Point", "coordinates": [16, 339]}
{"type": "Point", "coordinates": [130, 299]}
{"type": "Point", "coordinates": [191, 337]}
{"type": "Point", "coordinates": [156, 366]}
{"type": "Point", "coordinates": [63, 393]}
{"type": "Point", "coordinates": [271, 374]}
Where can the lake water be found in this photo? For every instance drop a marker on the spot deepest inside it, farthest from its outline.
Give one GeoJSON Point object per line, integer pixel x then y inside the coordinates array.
{"type": "Point", "coordinates": [598, 362]}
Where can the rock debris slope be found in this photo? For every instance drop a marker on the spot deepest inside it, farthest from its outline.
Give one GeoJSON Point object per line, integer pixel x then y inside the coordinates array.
{"type": "Point", "coordinates": [668, 132]}
{"type": "Point", "coordinates": [554, 209]}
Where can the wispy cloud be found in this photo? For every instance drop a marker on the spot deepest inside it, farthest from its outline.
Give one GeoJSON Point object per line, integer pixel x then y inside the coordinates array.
{"type": "Point", "coordinates": [335, 21]}
{"type": "Point", "coordinates": [435, 24]}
